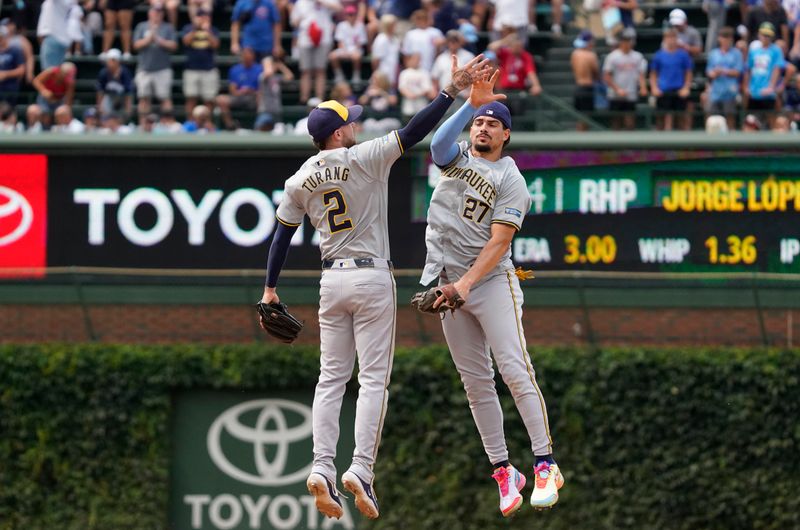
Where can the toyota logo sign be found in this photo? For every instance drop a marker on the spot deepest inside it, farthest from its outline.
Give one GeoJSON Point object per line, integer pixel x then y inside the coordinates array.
{"type": "Point", "coordinates": [270, 431]}
{"type": "Point", "coordinates": [23, 215]}
{"type": "Point", "coordinates": [12, 202]}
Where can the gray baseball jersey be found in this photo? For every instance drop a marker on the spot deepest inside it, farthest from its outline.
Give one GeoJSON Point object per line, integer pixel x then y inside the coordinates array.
{"type": "Point", "coordinates": [345, 194]}
{"type": "Point", "coordinates": [485, 192]}
{"type": "Point", "coordinates": [472, 194]}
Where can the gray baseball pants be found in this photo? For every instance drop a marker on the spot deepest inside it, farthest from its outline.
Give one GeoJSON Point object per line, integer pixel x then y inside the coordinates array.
{"type": "Point", "coordinates": [492, 320]}
{"type": "Point", "coordinates": [357, 314]}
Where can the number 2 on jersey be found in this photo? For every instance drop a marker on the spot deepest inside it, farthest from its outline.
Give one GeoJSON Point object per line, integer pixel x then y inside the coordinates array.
{"type": "Point", "coordinates": [336, 205]}
{"type": "Point", "coordinates": [470, 205]}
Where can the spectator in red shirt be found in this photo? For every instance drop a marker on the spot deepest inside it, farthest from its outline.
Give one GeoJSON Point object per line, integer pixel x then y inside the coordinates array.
{"type": "Point", "coordinates": [517, 70]}
{"type": "Point", "coordinates": [56, 86]}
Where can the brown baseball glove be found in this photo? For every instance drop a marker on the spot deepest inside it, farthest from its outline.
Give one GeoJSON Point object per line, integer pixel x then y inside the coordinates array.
{"type": "Point", "coordinates": [423, 300]}
{"type": "Point", "coordinates": [276, 320]}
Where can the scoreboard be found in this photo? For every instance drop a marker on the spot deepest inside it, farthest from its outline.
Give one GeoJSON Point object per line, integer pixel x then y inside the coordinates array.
{"type": "Point", "coordinates": [694, 211]}
{"type": "Point", "coordinates": [706, 205]}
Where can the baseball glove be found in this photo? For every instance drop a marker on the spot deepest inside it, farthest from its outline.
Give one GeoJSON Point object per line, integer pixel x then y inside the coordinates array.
{"type": "Point", "coordinates": [423, 300]}
{"type": "Point", "coordinates": [276, 320]}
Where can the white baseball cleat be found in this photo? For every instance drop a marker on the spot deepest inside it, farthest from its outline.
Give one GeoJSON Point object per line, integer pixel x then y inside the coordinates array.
{"type": "Point", "coordinates": [325, 494]}
{"type": "Point", "coordinates": [548, 480]}
{"type": "Point", "coordinates": [366, 500]}
{"type": "Point", "coordinates": [510, 482]}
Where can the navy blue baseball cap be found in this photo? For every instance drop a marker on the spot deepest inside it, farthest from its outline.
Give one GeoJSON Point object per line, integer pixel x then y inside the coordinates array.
{"type": "Point", "coordinates": [495, 110]}
{"type": "Point", "coordinates": [328, 116]}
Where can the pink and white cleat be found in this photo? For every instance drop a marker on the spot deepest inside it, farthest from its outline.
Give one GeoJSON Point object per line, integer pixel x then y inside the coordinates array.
{"type": "Point", "coordinates": [548, 481]}
{"type": "Point", "coordinates": [510, 482]}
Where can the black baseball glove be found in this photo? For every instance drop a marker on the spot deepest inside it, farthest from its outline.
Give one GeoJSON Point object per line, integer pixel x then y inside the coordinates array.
{"type": "Point", "coordinates": [423, 300]}
{"type": "Point", "coordinates": [276, 320]}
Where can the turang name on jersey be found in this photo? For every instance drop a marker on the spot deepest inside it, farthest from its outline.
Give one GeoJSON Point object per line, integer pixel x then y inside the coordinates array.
{"type": "Point", "coordinates": [326, 175]}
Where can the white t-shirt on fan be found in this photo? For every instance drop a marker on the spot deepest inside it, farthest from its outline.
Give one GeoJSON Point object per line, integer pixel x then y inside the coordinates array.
{"type": "Point", "coordinates": [423, 42]}
{"type": "Point", "coordinates": [510, 13]}
{"type": "Point", "coordinates": [352, 36]}
{"type": "Point", "coordinates": [386, 50]}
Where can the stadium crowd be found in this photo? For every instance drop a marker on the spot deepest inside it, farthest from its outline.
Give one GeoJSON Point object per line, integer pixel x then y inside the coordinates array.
{"type": "Point", "coordinates": [750, 75]}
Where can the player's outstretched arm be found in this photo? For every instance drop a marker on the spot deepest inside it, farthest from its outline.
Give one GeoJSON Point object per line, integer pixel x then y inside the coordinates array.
{"type": "Point", "coordinates": [443, 145]}
{"type": "Point", "coordinates": [278, 251]}
{"type": "Point", "coordinates": [426, 119]}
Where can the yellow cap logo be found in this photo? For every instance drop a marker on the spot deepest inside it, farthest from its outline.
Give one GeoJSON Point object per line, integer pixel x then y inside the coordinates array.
{"type": "Point", "coordinates": [335, 106]}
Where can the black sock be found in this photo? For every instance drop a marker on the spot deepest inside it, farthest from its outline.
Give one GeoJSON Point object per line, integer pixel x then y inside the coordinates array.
{"type": "Point", "coordinates": [545, 458]}
{"type": "Point", "coordinates": [502, 463]}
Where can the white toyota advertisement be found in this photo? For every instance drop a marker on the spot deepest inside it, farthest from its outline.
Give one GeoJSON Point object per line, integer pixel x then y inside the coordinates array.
{"type": "Point", "coordinates": [243, 463]}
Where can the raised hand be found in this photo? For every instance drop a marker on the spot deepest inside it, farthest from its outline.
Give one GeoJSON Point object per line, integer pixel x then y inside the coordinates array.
{"type": "Point", "coordinates": [463, 77]}
{"type": "Point", "coordinates": [482, 91]}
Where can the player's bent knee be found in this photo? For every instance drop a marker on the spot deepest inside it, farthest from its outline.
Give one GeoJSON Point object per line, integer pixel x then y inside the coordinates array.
{"type": "Point", "coordinates": [372, 381]}
{"type": "Point", "coordinates": [477, 381]}
{"type": "Point", "coordinates": [480, 390]}
{"type": "Point", "coordinates": [334, 377]}
{"type": "Point", "coordinates": [520, 385]}
{"type": "Point", "coordinates": [521, 388]}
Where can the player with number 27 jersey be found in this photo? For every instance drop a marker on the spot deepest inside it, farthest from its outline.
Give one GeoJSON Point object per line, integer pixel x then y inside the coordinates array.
{"type": "Point", "coordinates": [488, 192]}
{"type": "Point", "coordinates": [478, 206]}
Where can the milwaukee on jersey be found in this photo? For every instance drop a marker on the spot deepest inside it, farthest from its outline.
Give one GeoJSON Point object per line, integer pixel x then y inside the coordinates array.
{"type": "Point", "coordinates": [486, 192]}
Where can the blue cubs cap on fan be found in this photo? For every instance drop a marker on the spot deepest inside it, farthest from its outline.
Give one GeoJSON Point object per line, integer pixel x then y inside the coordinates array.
{"type": "Point", "coordinates": [329, 116]}
{"type": "Point", "coordinates": [495, 110]}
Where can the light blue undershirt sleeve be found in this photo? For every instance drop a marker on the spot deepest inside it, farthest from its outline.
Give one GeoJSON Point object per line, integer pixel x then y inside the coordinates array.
{"type": "Point", "coordinates": [443, 145]}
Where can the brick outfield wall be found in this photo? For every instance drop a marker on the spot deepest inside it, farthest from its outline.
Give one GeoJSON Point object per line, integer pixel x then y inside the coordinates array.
{"type": "Point", "coordinates": [545, 326]}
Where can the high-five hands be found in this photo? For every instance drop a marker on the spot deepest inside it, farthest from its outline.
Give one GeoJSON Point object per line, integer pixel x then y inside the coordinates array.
{"type": "Point", "coordinates": [482, 91]}
{"type": "Point", "coordinates": [463, 77]}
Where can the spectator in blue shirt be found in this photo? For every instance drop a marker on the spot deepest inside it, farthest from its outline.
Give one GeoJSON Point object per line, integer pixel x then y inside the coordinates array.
{"type": "Point", "coordinates": [12, 68]}
{"type": "Point", "coordinates": [200, 122]}
{"type": "Point", "coordinates": [670, 79]}
{"type": "Point", "coordinates": [18, 39]}
{"type": "Point", "coordinates": [256, 24]}
{"type": "Point", "coordinates": [200, 74]}
{"type": "Point", "coordinates": [724, 68]}
{"type": "Point", "coordinates": [402, 9]}
{"type": "Point", "coordinates": [445, 15]}
{"type": "Point", "coordinates": [114, 86]}
{"type": "Point", "coordinates": [243, 82]}
{"type": "Point", "coordinates": [764, 63]}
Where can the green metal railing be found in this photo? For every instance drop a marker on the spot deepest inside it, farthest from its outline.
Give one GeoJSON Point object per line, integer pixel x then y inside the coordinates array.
{"type": "Point", "coordinates": [229, 144]}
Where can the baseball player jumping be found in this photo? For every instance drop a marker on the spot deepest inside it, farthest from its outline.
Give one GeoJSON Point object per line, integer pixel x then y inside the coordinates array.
{"type": "Point", "coordinates": [477, 207]}
{"type": "Point", "coordinates": [343, 189]}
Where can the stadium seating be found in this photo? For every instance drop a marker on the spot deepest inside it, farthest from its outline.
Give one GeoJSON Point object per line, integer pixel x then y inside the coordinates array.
{"type": "Point", "coordinates": [551, 112]}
